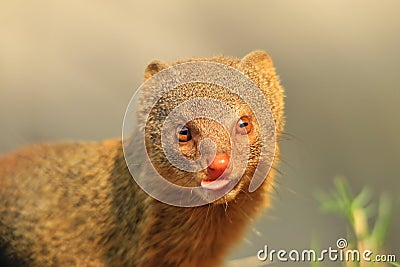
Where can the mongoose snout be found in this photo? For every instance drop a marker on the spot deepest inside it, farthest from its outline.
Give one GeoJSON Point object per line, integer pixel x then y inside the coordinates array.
{"type": "Point", "coordinates": [218, 167]}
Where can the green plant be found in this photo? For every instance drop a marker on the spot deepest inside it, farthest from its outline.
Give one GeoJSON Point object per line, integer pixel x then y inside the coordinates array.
{"type": "Point", "coordinates": [359, 211]}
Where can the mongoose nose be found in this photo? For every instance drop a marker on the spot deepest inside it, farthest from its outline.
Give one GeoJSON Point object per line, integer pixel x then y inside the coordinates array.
{"type": "Point", "coordinates": [218, 166]}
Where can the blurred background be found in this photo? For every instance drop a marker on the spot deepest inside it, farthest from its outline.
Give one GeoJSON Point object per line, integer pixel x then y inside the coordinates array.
{"type": "Point", "coordinates": [69, 68]}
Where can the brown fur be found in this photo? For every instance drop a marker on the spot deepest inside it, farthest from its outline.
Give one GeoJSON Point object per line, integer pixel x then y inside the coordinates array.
{"type": "Point", "coordinates": [77, 204]}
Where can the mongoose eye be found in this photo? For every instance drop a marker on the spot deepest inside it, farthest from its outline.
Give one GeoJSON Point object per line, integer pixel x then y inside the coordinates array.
{"type": "Point", "coordinates": [244, 125]}
{"type": "Point", "coordinates": [184, 134]}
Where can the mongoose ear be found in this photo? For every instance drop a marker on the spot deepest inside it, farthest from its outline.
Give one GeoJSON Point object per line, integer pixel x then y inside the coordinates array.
{"type": "Point", "coordinates": [258, 66]}
{"type": "Point", "coordinates": [258, 59]}
{"type": "Point", "coordinates": [154, 67]}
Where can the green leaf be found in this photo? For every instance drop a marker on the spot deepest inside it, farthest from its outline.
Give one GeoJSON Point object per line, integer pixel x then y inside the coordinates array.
{"type": "Point", "coordinates": [344, 197]}
{"type": "Point", "coordinates": [362, 199]}
{"type": "Point", "coordinates": [382, 224]}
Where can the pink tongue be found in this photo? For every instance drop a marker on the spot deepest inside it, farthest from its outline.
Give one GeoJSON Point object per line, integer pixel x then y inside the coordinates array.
{"type": "Point", "coordinates": [214, 185]}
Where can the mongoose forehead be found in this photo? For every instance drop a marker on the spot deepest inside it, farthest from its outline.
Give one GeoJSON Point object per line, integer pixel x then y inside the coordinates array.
{"type": "Point", "coordinates": [77, 203]}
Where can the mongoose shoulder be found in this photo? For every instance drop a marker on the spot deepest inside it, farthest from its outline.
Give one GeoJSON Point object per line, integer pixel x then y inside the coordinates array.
{"type": "Point", "coordinates": [76, 203]}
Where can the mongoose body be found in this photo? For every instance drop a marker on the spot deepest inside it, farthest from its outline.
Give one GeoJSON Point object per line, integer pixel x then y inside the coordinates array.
{"type": "Point", "coordinates": [76, 204]}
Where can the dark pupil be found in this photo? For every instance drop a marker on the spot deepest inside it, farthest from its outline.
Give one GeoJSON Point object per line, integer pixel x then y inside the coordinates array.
{"type": "Point", "coordinates": [183, 132]}
{"type": "Point", "coordinates": [243, 124]}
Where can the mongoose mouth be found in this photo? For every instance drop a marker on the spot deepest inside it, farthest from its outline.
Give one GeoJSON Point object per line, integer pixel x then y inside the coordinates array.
{"type": "Point", "coordinates": [215, 184]}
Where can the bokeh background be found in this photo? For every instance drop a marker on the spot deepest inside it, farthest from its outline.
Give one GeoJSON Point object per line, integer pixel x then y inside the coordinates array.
{"type": "Point", "coordinates": [69, 68]}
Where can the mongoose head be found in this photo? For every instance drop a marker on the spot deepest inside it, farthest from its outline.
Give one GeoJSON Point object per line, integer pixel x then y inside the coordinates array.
{"type": "Point", "coordinates": [218, 171]}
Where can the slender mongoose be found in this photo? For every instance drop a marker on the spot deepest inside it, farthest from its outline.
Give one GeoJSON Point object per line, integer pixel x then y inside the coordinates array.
{"type": "Point", "coordinates": [76, 203]}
